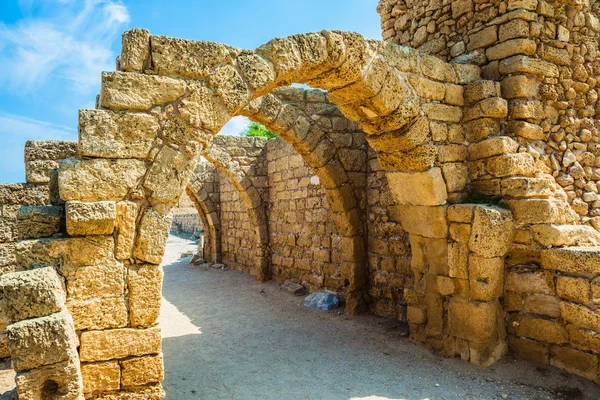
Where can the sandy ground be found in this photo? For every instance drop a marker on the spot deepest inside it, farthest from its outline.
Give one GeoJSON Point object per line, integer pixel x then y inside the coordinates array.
{"type": "Point", "coordinates": [227, 337]}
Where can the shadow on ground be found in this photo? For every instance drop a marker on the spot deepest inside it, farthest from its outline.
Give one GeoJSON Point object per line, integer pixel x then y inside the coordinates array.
{"type": "Point", "coordinates": [228, 337]}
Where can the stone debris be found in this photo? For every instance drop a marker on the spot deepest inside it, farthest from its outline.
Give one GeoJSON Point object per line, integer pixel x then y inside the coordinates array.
{"type": "Point", "coordinates": [293, 288]}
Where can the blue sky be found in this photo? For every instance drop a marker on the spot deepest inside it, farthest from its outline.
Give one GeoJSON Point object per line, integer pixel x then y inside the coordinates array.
{"type": "Point", "coordinates": [53, 51]}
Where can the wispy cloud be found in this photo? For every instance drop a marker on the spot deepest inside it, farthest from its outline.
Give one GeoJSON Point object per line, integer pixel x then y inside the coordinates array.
{"type": "Point", "coordinates": [15, 130]}
{"type": "Point", "coordinates": [61, 39]}
{"type": "Point", "coordinates": [235, 126]}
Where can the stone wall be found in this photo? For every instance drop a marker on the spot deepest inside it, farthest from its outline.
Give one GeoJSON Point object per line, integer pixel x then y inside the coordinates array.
{"type": "Point", "coordinates": [305, 245]}
{"type": "Point", "coordinates": [186, 219]}
{"type": "Point", "coordinates": [238, 236]}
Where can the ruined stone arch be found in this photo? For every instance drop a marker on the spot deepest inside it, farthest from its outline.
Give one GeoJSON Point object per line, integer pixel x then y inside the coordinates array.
{"type": "Point", "coordinates": [201, 191]}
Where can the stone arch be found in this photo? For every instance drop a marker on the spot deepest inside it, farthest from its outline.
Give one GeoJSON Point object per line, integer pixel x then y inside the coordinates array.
{"type": "Point", "coordinates": [314, 138]}
{"type": "Point", "coordinates": [202, 191]}
{"type": "Point", "coordinates": [242, 159]}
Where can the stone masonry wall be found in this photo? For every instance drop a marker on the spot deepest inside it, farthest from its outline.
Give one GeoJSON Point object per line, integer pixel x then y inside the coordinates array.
{"type": "Point", "coordinates": [304, 239]}
{"type": "Point", "coordinates": [238, 237]}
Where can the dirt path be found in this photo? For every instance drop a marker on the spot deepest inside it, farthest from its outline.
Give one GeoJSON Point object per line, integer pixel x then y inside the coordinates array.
{"type": "Point", "coordinates": [228, 337]}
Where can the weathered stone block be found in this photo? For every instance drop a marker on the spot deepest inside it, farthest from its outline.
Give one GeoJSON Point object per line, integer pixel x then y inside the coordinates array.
{"type": "Point", "coordinates": [31, 294]}
{"type": "Point", "coordinates": [510, 48]}
{"type": "Point", "coordinates": [529, 349]}
{"type": "Point", "coordinates": [138, 92]}
{"type": "Point", "coordinates": [144, 283]}
{"type": "Point", "coordinates": [109, 134]}
{"type": "Point", "coordinates": [101, 377]}
{"type": "Point", "coordinates": [127, 212]}
{"type": "Point", "coordinates": [574, 361]}
{"type": "Point", "coordinates": [492, 147]}
{"type": "Point", "coordinates": [42, 341]}
{"type": "Point", "coordinates": [481, 128]}
{"type": "Point", "coordinates": [135, 51]}
{"type": "Point", "coordinates": [580, 316]}
{"type": "Point", "coordinates": [58, 381]}
{"type": "Point", "coordinates": [427, 188]}
{"type": "Point", "coordinates": [530, 282]}
{"type": "Point", "coordinates": [96, 218]}
{"type": "Point", "coordinates": [475, 322]}
{"type": "Point", "coordinates": [565, 235]}
{"type": "Point", "coordinates": [119, 343]}
{"type": "Point", "coordinates": [584, 261]}
{"type": "Point", "coordinates": [542, 304]}
{"type": "Point", "coordinates": [527, 65]}
{"type": "Point", "coordinates": [491, 222]}
{"type": "Point", "coordinates": [98, 313]}
{"type": "Point", "coordinates": [142, 371]}
{"type": "Point", "coordinates": [404, 139]}
{"type": "Point", "coordinates": [540, 329]}
{"type": "Point", "coordinates": [152, 236]}
{"type": "Point", "coordinates": [486, 277]}
{"type": "Point", "coordinates": [35, 222]}
{"type": "Point", "coordinates": [168, 176]}
{"type": "Point", "coordinates": [36, 150]}
{"type": "Point", "coordinates": [424, 221]}
{"type": "Point", "coordinates": [495, 107]}
{"type": "Point", "coordinates": [150, 392]}
{"type": "Point", "coordinates": [38, 171]}
{"type": "Point", "coordinates": [98, 179]}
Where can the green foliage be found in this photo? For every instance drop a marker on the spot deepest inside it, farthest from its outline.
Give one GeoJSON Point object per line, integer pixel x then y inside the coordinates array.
{"type": "Point", "coordinates": [256, 129]}
{"type": "Point", "coordinates": [479, 198]}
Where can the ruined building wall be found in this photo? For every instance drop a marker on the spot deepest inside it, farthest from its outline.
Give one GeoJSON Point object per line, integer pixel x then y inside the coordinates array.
{"type": "Point", "coordinates": [304, 239]}
{"type": "Point", "coordinates": [238, 236]}
{"type": "Point", "coordinates": [185, 217]}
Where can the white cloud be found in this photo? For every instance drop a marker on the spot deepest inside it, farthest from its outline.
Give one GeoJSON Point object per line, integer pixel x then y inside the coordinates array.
{"type": "Point", "coordinates": [68, 40]}
{"type": "Point", "coordinates": [235, 126]}
{"type": "Point", "coordinates": [15, 130]}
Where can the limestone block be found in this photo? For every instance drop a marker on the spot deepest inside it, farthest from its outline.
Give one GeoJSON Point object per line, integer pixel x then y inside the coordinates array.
{"type": "Point", "coordinates": [565, 235]}
{"type": "Point", "coordinates": [456, 176]}
{"type": "Point", "coordinates": [461, 213]}
{"type": "Point", "coordinates": [127, 212]}
{"type": "Point", "coordinates": [388, 99]}
{"type": "Point", "coordinates": [445, 285]}
{"type": "Point", "coordinates": [475, 322]}
{"type": "Point", "coordinates": [519, 86]}
{"type": "Point", "coordinates": [425, 221]}
{"type": "Point", "coordinates": [481, 128]}
{"type": "Point", "coordinates": [151, 392]}
{"type": "Point", "coordinates": [492, 147]}
{"type": "Point", "coordinates": [207, 108]}
{"type": "Point", "coordinates": [529, 349]}
{"type": "Point", "coordinates": [574, 361]}
{"type": "Point", "coordinates": [442, 112]}
{"type": "Point", "coordinates": [256, 70]}
{"type": "Point", "coordinates": [576, 289]}
{"type": "Point", "coordinates": [35, 222]}
{"type": "Point", "coordinates": [466, 73]}
{"type": "Point", "coordinates": [480, 90]}
{"type": "Point", "coordinates": [427, 88]}
{"type": "Point", "coordinates": [584, 339]}
{"type": "Point", "coordinates": [36, 150]}
{"type": "Point", "coordinates": [98, 179]}
{"type": "Point", "coordinates": [452, 153]}
{"type": "Point", "coordinates": [416, 315]}
{"type": "Point", "coordinates": [142, 371]}
{"type": "Point", "coordinates": [527, 65]}
{"type": "Point", "coordinates": [168, 176]}
{"type": "Point", "coordinates": [109, 134]}
{"type": "Point", "coordinates": [494, 107]}
{"type": "Point", "coordinates": [460, 232]}
{"type": "Point", "coordinates": [401, 140]}
{"type": "Point", "coordinates": [96, 218]}
{"type": "Point", "coordinates": [42, 341]}
{"type": "Point", "coordinates": [119, 343]}
{"type": "Point", "coordinates": [130, 91]}
{"type": "Point", "coordinates": [24, 194]}
{"type": "Point", "coordinates": [427, 188]}
{"type": "Point", "coordinates": [135, 51]}
{"type": "Point", "coordinates": [526, 130]}
{"type": "Point", "coordinates": [437, 69]}
{"type": "Point", "coordinates": [461, 7]}
{"type": "Point", "coordinates": [483, 38]}
{"type": "Point", "coordinates": [189, 58]}
{"type": "Point", "coordinates": [540, 211]}
{"type": "Point", "coordinates": [491, 232]}
{"type": "Point", "coordinates": [418, 159]}
{"type": "Point", "coordinates": [58, 381]}
{"type": "Point", "coordinates": [517, 28]}
{"type": "Point", "coordinates": [524, 187]}
{"type": "Point", "coordinates": [38, 171]}
{"type": "Point", "coordinates": [152, 236]}
{"type": "Point", "coordinates": [540, 329]}
{"type": "Point", "coordinates": [104, 278]}
{"type": "Point", "coordinates": [144, 283]}
{"type": "Point", "coordinates": [542, 304]}
{"type": "Point", "coordinates": [31, 294]}
{"type": "Point", "coordinates": [583, 261]}
{"type": "Point", "coordinates": [580, 316]}
{"type": "Point", "coordinates": [530, 282]}
{"type": "Point", "coordinates": [486, 277]}
{"type": "Point", "coordinates": [229, 85]}
{"type": "Point", "coordinates": [526, 109]}
{"type": "Point", "coordinates": [101, 377]}
{"type": "Point", "coordinates": [510, 48]}
{"type": "Point", "coordinates": [98, 313]}
{"type": "Point", "coordinates": [368, 86]}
